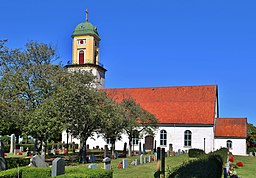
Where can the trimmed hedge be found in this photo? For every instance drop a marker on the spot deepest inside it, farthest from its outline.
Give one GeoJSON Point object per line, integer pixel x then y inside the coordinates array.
{"type": "Point", "coordinates": [32, 172]}
{"type": "Point", "coordinates": [26, 172]}
{"type": "Point", "coordinates": [223, 153]}
{"type": "Point", "coordinates": [17, 162]}
{"type": "Point", "coordinates": [208, 166]}
{"type": "Point", "coordinates": [71, 172]}
{"type": "Point", "coordinates": [195, 153]}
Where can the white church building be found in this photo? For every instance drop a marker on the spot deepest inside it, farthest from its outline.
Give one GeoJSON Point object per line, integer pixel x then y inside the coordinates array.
{"type": "Point", "coordinates": [188, 116]}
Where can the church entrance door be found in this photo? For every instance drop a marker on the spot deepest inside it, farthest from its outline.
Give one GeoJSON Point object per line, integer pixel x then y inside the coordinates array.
{"type": "Point", "coordinates": [149, 142]}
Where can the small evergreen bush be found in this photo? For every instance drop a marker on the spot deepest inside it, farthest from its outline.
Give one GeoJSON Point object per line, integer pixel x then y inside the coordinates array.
{"type": "Point", "coordinates": [195, 153]}
{"type": "Point", "coordinates": [17, 162]}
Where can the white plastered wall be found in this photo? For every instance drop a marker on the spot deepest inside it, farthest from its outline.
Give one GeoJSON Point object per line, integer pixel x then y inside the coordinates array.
{"type": "Point", "coordinates": [238, 145]}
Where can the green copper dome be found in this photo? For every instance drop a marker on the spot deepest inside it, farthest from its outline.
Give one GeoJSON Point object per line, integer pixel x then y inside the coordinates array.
{"type": "Point", "coordinates": [85, 28]}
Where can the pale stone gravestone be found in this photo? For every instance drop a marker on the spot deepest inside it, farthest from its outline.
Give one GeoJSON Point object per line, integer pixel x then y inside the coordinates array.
{"type": "Point", "coordinates": [12, 146]}
{"type": "Point", "coordinates": [155, 158]}
{"type": "Point", "coordinates": [58, 167]}
{"type": "Point", "coordinates": [2, 160]}
{"type": "Point", "coordinates": [150, 158]}
{"type": "Point", "coordinates": [21, 149]}
{"type": "Point", "coordinates": [125, 163]}
{"type": "Point", "coordinates": [141, 159]}
{"type": "Point", "coordinates": [92, 166]}
{"type": "Point", "coordinates": [145, 160]}
{"type": "Point", "coordinates": [168, 153]}
{"type": "Point", "coordinates": [250, 154]}
{"type": "Point", "coordinates": [136, 162]}
{"type": "Point", "coordinates": [107, 163]}
{"type": "Point", "coordinates": [37, 161]}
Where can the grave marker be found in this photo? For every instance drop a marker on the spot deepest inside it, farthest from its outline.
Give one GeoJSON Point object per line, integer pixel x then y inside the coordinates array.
{"type": "Point", "coordinates": [58, 167]}
{"type": "Point", "coordinates": [107, 163]}
{"type": "Point", "coordinates": [125, 163]}
{"type": "Point", "coordinates": [141, 159]}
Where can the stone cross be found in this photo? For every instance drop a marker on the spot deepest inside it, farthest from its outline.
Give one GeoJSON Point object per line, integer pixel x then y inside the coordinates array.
{"type": "Point", "coordinates": [58, 167]}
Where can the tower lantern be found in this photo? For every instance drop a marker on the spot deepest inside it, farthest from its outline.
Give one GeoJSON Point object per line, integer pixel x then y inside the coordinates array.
{"type": "Point", "coordinates": [85, 51]}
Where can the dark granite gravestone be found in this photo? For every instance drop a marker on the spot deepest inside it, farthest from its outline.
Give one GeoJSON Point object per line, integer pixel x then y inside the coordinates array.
{"type": "Point", "coordinates": [139, 148]}
{"type": "Point", "coordinates": [2, 160]}
{"type": "Point", "coordinates": [105, 151]}
{"type": "Point", "coordinates": [124, 150]}
{"type": "Point", "coordinates": [58, 167]}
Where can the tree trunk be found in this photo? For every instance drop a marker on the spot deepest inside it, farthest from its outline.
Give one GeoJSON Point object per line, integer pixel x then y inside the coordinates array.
{"type": "Point", "coordinates": [84, 160]}
{"type": "Point", "coordinates": [67, 142]}
{"type": "Point", "coordinates": [113, 149]}
{"type": "Point", "coordinates": [130, 148]}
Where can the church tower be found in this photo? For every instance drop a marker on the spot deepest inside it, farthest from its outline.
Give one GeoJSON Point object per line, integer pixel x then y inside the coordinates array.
{"type": "Point", "coordinates": [85, 52]}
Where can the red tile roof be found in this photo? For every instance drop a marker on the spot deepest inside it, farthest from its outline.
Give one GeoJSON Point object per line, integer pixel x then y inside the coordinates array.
{"type": "Point", "coordinates": [173, 105]}
{"type": "Point", "coordinates": [231, 127]}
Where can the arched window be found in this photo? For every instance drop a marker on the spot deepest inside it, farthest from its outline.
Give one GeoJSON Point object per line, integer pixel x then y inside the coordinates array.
{"type": "Point", "coordinates": [135, 138]}
{"type": "Point", "coordinates": [163, 138]}
{"type": "Point", "coordinates": [81, 57]}
{"type": "Point", "coordinates": [229, 144]}
{"type": "Point", "coordinates": [187, 138]}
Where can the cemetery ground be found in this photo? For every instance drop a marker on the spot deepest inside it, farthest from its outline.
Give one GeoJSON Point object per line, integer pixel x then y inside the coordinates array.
{"type": "Point", "coordinates": [149, 169]}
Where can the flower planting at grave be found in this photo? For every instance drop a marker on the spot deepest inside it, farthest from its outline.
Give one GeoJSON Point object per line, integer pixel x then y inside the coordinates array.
{"type": "Point", "coordinates": [239, 164]}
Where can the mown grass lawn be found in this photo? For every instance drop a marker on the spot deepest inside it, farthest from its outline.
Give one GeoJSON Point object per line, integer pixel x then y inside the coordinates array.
{"type": "Point", "coordinates": [249, 169]}
{"type": "Point", "coordinates": [141, 171]}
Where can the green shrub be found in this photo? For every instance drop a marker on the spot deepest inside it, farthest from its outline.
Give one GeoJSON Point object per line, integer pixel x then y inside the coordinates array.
{"type": "Point", "coordinates": [207, 166]}
{"type": "Point", "coordinates": [252, 149]}
{"type": "Point", "coordinates": [223, 153]}
{"type": "Point", "coordinates": [78, 172]}
{"type": "Point", "coordinates": [17, 162]}
{"type": "Point", "coordinates": [32, 172]}
{"type": "Point", "coordinates": [11, 173]}
{"type": "Point", "coordinates": [195, 153]}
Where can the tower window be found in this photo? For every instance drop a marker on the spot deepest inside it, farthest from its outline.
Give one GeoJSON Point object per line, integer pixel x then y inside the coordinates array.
{"type": "Point", "coordinates": [229, 144]}
{"type": "Point", "coordinates": [81, 42]}
{"type": "Point", "coordinates": [81, 57]}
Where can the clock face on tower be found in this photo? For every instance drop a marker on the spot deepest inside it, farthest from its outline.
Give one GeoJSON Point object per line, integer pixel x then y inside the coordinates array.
{"type": "Point", "coordinates": [81, 42]}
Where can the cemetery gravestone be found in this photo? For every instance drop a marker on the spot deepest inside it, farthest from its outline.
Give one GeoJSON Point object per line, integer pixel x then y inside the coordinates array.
{"type": "Point", "coordinates": [150, 158]}
{"type": "Point", "coordinates": [58, 167]}
{"type": "Point", "coordinates": [136, 162]}
{"type": "Point", "coordinates": [145, 160]}
{"type": "Point", "coordinates": [139, 148]}
{"type": "Point", "coordinates": [92, 166]}
{"type": "Point", "coordinates": [124, 150]}
{"type": "Point", "coordinates": [105, 151]}
{"type": "Point", "coordinates": [144, 149]}
{"type": "Point", "coordinates": [2, 160]}
{"type": "Point", "coordinates": [107, 163]}
{"type": "Point", "coordinates": [12, 146]}
{"type": "Point", "coordinates": [125, 163]}
{"type": "Point", "coordinates": [141, 159]}
{"type": "Point", "coordinates": [37, 161]}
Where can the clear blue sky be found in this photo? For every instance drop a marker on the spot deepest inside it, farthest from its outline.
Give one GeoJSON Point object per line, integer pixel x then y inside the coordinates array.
{"type": "Point", "coordinates": [153, 43]}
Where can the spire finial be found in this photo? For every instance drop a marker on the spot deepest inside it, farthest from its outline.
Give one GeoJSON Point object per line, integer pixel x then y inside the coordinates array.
{"type": "Point", "coordinates": [86, 12]}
